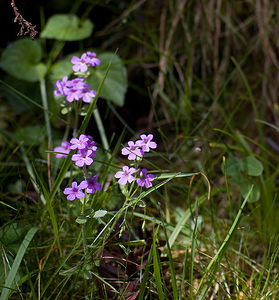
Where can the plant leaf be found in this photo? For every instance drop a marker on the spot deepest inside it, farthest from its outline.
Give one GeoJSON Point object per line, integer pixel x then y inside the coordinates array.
{"type": "Point", "coordinates": [67, 27]}
{"type": "Point", "coordinates": [245, 187]}
{"type": "Point", "coordinates": [252, 166]}
{"type": "Point", "coordinates": [233, 165]}
{"type": "Point", "coordinates": [115, 86]}
{"type": "Point", "coordinates": [100, 213]}
{"type": "Point", "coordinates": [22, 60]}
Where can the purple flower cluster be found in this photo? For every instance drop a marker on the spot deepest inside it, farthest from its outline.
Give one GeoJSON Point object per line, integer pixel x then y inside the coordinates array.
{"type": "Point", "coordinates": [87, 59]}
{"type": "Point", "coordinates": [77, 89]}
{"type": "Point", "coordinates": [135, 151]}
{"type": "Point", "coordinates": [90, 184]}
{"type": "Point", "coordinates": [85, 152]}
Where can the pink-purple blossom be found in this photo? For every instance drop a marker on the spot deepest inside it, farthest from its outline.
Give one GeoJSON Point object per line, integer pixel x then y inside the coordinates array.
{"type": "Point", "coordinates": [91, 184]}
{"type": "Point", "coordinates": [75, 89]}
{"type": "Point", "coordinates": [144, 178]}
{"type": "Point", "coordinates": [61, 86]}
{"type": "Point", "coordinates": [64, 148]}
{"type": "Point", "coordinates": [83, 157]}
{"type": "Point", "coordinates": [91, 59]}
{"type": "Point", "coordinates": [133, 151]}
{"type": "Point", "coordinates": [125, 175]}
{"type": "Point", "coordinates": [87, 59]}
{"type": "Point", "coordinates": [146, 142]}
{"type": "Point", "coordinates": [74, 191]}
{"type": "Point", "coordinates": [79, 64]}
{"type": "Point", "coordinates": [79, 143]}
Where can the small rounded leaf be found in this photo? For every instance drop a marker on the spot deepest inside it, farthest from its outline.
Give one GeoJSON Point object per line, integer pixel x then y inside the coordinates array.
{"type": "Point", "coordinates": [99, 213]}
{"type": "Point", "coordinates": [252, 166]}
{"type": "Point", "coordinates": [67, 27]}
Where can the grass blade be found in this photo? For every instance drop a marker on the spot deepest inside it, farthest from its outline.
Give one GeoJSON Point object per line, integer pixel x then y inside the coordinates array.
{"type": "Point", "coordinates": [21, 251]}
{"type": "Point", "coordinates": [157, 271]}
{"type": "Point", "coordinates": [214, 264]}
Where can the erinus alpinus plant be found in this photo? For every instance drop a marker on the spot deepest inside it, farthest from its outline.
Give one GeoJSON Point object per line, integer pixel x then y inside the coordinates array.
{"type": "Point", "coordinates": [139, 153]}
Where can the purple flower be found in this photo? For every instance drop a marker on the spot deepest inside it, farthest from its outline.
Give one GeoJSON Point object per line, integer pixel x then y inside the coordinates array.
{"type": "Point", "coordinates": [74, 191]}
{"type": "Point", "coordinates": [91, 184]}
{"type": "Point", "coordinates": [133, 151]}
{"type": "Point", "coordinates": [125, 175]}
{"type": "Point", "coordinates": [64, 148]}
{"type": "Point", "coordinates": [83, 158]}
{"type": "Point", "coordinates": [91, 144]}
{"type": "Point", "coordinates": [79, 64]}
{"type": "Point", "coordinates": [80, 143]}
{"type": "Point", "coordinates": [76, 83]}
{"type": "Point", "coordinates": [145, 143]}
{"type": "Point", "coordinates": [73, 94]}
{"type": "Point", "coordinates": [87, 95]}
{"type": "Point", "coordinates": [144, 178]}
{"type": "Point", "coordinates": [61, 86]}
{"type": "Point", "coordinates": [91, 59]}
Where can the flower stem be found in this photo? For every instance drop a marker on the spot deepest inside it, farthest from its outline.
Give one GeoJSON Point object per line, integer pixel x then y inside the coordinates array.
{"type": "Point", "coordinates": [102, 132]}
{"type": "Point", "coordinates": [45, 105]}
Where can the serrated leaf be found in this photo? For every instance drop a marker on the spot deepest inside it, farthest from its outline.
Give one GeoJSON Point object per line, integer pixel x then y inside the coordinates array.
{"type": "Point", "coordinates": [245, 187]}
{"type": "Point", "coordinates": [22, 60]}
{"type": "Point", "coordinates": [115, 85]}
{"type": "Point", "coordinates": [81, 220]}
{"type": "Point", "coordinates": [252, 166]}
{"type": "Point", "coordinates": [67, 27]}
{"type": "Point", "coordinates": [99, 213]}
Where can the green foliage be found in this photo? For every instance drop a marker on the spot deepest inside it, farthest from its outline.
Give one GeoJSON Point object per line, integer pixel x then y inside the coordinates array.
{"type": "Point", "coordinates": [115, 86]}
{"type": "Point", "coordinates": [22, 60]}
{"type": "Point", "coordinates": [186, 237]}
{"type": "Point", "coordinates": [67, 27]}
{"type": "Point", "coordinates": [240, 169]}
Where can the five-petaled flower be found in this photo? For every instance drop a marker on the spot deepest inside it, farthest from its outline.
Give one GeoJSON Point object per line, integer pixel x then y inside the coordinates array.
{"type": "Point", "coordinates": [74, 191]}
{"type": "Point", "coordinates": [144, 178]}
{"type": "Point", "coordinates": [80, 64]}
{"type": "Point", "coordinates": [80, 143]}
{"type": "Point", "coordinates": [146, 142]}
{"type": "Point", "coordinates": [125, 175]}
{"type": "Point", "coordinates": [133, 151]}
{"type": "Point", "coordinates": [83, 157]}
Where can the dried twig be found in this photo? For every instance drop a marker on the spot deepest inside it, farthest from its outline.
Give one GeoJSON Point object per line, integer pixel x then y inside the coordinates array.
{"type": "Point", "coordinates": [26, 27]}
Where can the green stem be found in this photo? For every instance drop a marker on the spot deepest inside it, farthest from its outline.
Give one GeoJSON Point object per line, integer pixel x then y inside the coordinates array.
{"type": "Point", "coordinates": [102, 132]}
{"type": "Point", "coordinates": [45, 105]}
{"type": "Point", "coordinates": [83, 227]}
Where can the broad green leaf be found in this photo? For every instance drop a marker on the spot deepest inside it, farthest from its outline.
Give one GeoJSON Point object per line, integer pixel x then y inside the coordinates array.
{"type": "Point", "coordinates": [67, 27]}
{"type": "Point", "coordinates": [22, 60]}
{"type": "Point", "coordinates": [252, 166]}
{"type": "Point", "coordinates": [115, 85]}
{"type": "Point", "coordinates": [245, 187]}
{"type": "Point", "coordinates": [60, 69]}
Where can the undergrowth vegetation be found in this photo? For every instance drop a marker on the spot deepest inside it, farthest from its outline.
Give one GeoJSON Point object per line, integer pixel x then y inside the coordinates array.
{"type": "Point", "coordinates": [139, 152]}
